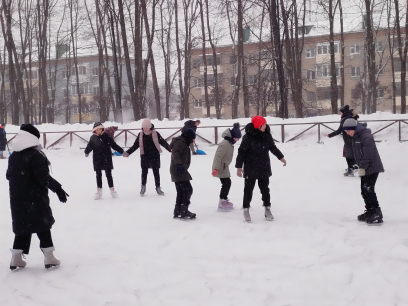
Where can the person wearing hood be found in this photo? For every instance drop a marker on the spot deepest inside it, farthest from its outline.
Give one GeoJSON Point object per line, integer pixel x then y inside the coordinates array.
{"type": "Point", "coordinates": [346, 113]}
{"type": "Point", "coordinates": [29, 180]}
{"type": "Point", "coordinates": [149, 142]}
{"type": "Point", "coordinates": [370, 165]}
{"type": "Point", "coordinates": [191, 124]}
{"type": "Point", "coordinates": [3, 140]}
{"type": "Point", "coordinates": [180, 162]}
{"type": "Point", "coordinates": [253, 163]}
{"type": "Point", "coordinates": [221, 162]}
{"type": "Point", "coordinates": [100, 144]}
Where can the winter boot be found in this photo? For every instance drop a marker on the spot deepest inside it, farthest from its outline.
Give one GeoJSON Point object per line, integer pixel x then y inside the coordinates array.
{"type": "Point", "coordinates": [16, 259]}
{"type": "Point", "coordinates": [224, 205]}
{"type": "Point", "coordinates": [268, 214]}
{"type": "Point", "coordinates": [185, 213]}
{"type": "Point", "coordinates": [143, 190]}
{"type": "Point", "coordinates": [349, 172]}
{"type": "Point", "coordinates": [176, 213]}
{"type": "Point", "coordinates": [98, 194]}
{"type": "Point", "coordinates": [2, 156]}
{"type": "Point", "coordinates": [114, 194]}
{"type": "Point", "coordinates": [374, 216]}
{"type": "Point", "coordinates": [363, 216]}
{"type": "Point", "coordinates": [49, 259]}
{"type": "Point", "coordinates": [247, 216]}
{"type": "Point", "coordinates": [159, 191]}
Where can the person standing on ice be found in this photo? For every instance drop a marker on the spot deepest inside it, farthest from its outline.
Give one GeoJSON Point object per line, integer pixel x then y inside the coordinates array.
{"type": "Point", "coordinates": [253, 155]}
{"type": "Point", "coordinates": [100, 144]}
{"type": "Point", "coordinates": [180, 162]}
{"type": "Point", "coordinates": [346, 113]}
{"type": "Point", "coordinates": [149, 142]}
{"type": "Point", "coordinates": [3, 140]}
{"type": "Point", "coordinates": [191, 124]}
{"type": "Point", "coordinates": [222, 160]}
{"type": "Point", "coordinates": [29, 180]}
{"type": "Point", "coordinates": [370, 165]}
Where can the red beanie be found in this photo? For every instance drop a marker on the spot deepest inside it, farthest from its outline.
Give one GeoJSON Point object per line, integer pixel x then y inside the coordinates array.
{"type": "Point", "coordinates": [258, 121]}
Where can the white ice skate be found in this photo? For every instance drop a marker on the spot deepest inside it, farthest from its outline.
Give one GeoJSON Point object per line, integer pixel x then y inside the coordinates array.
{"type": "Point", "coordinates": [17, 259]}
{"type": "Point", "coordinates": [225, 205]}
{"type": "Point", "coordinates": [98, 194]}
{"type": "Point", "coordinates": [49, 259]}
{"type": "Point", "coordinates": [268, 214]}
{"type": "Point", "coordinates": [114, 194]}
{"type": "Point", "coordinates": [247, 216]}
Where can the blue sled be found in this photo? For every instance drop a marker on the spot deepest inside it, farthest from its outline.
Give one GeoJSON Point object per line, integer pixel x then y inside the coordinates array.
{"type": "Point", "coordinates": [117, 153]}
{"type": "Point", "coordinates": [201, 152]}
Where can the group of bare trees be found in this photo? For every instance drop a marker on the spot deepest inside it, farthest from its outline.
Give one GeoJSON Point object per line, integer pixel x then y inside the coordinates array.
{"type": "Point", "coordinates": [149, 43]}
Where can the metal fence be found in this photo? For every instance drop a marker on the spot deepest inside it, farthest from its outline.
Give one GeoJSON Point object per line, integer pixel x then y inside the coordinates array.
{"type": "Point", "coordinates": [284, 127]}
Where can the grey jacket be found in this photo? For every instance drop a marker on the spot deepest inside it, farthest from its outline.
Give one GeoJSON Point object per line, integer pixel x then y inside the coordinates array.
{"type": "Point", "coordinates": [365, 150]}
{"type": "Point", "coordinates": [223, 156]}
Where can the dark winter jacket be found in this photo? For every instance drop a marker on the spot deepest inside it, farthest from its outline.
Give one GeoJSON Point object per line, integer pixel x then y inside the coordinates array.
{"type": "Point", "coordinates": [253, 153]}
{"type": "Point", "coordinates": [3, 139]}
{"type": "Point", "coordinates": [151, 156]}
{"type": "Point", "coordinates": [365, 150]}
{"type": "Point", "coordinates": [180, 155]}
{"type": "Point", "coordinates": [29, 181]}
{"type": "Point", "coordinates": [102, 155]}
{"type": "Point", "coordinates": [347, 148]}
{"type": "Point", "coordinates": [189, 124]}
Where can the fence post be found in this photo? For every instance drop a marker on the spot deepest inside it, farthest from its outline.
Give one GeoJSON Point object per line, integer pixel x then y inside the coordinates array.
{"type": "Point", "coordinates": [283, 132]}
{"type": "Point", "coordinates": [125, 138]}
{"type": "Point", "coordinates": [45, 140]}
{"type": "Point", "coordinates": [318, 133]}
{"type": "Point", "coordinates": [216, 134]}
{"type": "Point", "coordinates": [70, 139]}
{"type": "Point", "coordinates": [399, 130]}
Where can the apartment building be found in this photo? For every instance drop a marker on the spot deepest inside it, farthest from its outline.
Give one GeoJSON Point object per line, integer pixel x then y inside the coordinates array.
{"type": "Point", "coordinates": [316, 92]}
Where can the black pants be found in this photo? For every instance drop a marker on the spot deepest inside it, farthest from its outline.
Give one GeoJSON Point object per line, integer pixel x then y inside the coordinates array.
{"type": "Point", "coordinates": [156, 173]}
{"type": "Point", "coordinates": [368, 190]}
{"type": "Point", "coordinates": [350, 162]}
{"type": "Point", "coordinates": [23, 242]}
{"type": "Point", "coordinates": [184, 192]}
{"type": "Point", "coordinates": [225, 187]}
{"type": "Point", "coordinates": [108, 177]}
{"type": "Point", "coordinates": [263, 187]}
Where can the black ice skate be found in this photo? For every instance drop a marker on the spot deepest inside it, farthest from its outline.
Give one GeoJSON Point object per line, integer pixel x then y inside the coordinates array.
{"type": "Point", "coordinates": [374, 216]}
{"type": "Point", "coordinates": [185, 213]}
{"type": "Point", "coordinates": [142, 190]}
{"type": "Point", "coordinates": [349, 172]}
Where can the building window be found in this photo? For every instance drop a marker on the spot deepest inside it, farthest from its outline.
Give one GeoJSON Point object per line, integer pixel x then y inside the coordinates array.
{"type": "Point", "coordinates": [252, 79]}
{"type": "Point", "coordinates": [232, 59]}
{"type": "Point", "coordinates": [232, 81]}
{"type": "Point", "coordinates": [311, 75]}
{"type": "Point", "coordinates": [355, 49]}
{"type": "Point", "coordinates": [379, 46]}
{"type": "Point", "coordinates": [324, 93]}
{"type": "Point", "coordinates": [83, 88]}
{"type": "Point", "coordinates": [211, 62]}
{"type": "Point", "coordinates": [34, 74]}
{"type": "Point", "coordinates": [74, 89]}
{"type": "Point", "coordinates": [96, 90]}
{"type": "Point", "coordinates": [64, 92]}
{"type": "Point", "coordinates": [211, 80]}
{"type": "Point", "coordinates": [196, 83]}
{"type": "Point", "coordinates": [311, 96]}
{"type": "Point", "coordinates": [355, 71]}
{"type": "Point", "coordinates": [310, 53]}
{"type": "Point", "coordinates": [323, 70]}
{"type": "Point", "coordinates": [82, 70]}
{"type": "Point", "coordinates": [355, 94]}
{"type": "Point", "coordinates": [251, 59]}
{"type": "Point", "coordinates": [198, 103]}
{"type": "Point", "coordinates": [325, 48]}
{"type": "Point", "coordinates": [64, 74]}
{"type": "Point", "coordinates": [380, 92]}
{"type": "Point", "coordinates": [95, 71]}
{"type": "Point", "coordinates": [196, 62]}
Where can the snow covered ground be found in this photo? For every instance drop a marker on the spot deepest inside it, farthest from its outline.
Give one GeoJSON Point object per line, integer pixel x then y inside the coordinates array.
{"type": "Point", "coordinates": [130, 251]}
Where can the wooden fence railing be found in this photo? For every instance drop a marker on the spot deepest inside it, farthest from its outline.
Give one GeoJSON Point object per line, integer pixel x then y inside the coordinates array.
{"type": "Point", "coordinates": [284, 127]}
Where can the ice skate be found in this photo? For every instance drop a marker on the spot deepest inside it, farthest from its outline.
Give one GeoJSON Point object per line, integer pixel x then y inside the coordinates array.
{"type": "Point", "coordinates": [176, 213]}
{"type": "Point", "coordinates": [113, 193]}
{"type": "Point", "coordinates": [374, 216]}
{"type": "Point", "coordinates": [349, 172]}
{"type": "Point", "coordinates": [363, 216]}
{"type": "Point", "coordinates": [225, 205]}
{"type": "Point", "coordinates": [268, 214]}
{"type": "Point", "coordinates": [159, 191]}
{"type": "Point", "coordinates": [98, 194]}
{"type": "Point", "coordinates": [247, 216]}
{"type": "Point", "coordinates": [143, 190]}
{"type": "Point", "coordinates": [17, 259]}
{"type": "Point", "coordinates": [185, 213]}
{"type": "Point", "coordinates": [49, 259]}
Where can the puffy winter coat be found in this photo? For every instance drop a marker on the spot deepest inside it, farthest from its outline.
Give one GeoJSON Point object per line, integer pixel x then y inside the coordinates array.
{"type": "Point", "coordinates": [189, 124]}
{"type": "Point", "coordinates": [347, 148]}
{"type": "Point", "coordinates": [365, 150]}
{"type": "Point", "coordinates": [102, 155]}
{"type": "Point", "coordinates": [29, 181]}
{"type": "Point", "coordinates": [151, 156]}
{"type": "Point", "coordinates": [253, 153]}
{"type": "Point", "coordinates": [223, 156]}
{"type": "Point", "coordinates": [3, 139]}
{"type": "Point", "coordinates": [180, 155]}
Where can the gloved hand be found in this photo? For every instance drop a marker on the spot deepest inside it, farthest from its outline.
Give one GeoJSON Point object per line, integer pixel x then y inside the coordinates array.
{"type": "Point", "coordinates": [62, 195]}
{"type": "Point", "coordinates": [125, 154]}
{"type": "Point", "coordinates": [215, 172]}
{"type": "Point", "coordinates": [179, 169]}
{"type": "Point", "coordinates": [86, 155]}
{"type": "Point", "coordinates": [361, 172]}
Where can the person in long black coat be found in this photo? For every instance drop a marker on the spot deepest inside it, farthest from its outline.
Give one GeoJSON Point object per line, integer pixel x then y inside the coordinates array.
{"type": "Point", "coordinates": [3, 140]}
{"type": "Point", "coordinates": [180, 162]}
{"type": "Point", "coordinates": [29, 181]}
{"type": "Point", "coordinates": [370, 165]}
{"type": "Point", "coordinates": [191, 124]}
{"type": "Point", "coordinates": [253, 162]}
{"type": "Point", "coordinates": [346, 113]}
{"type": "Point", "coordinates": [149, 142]}
{"type": "Point", "coordinates": [100, 144]}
